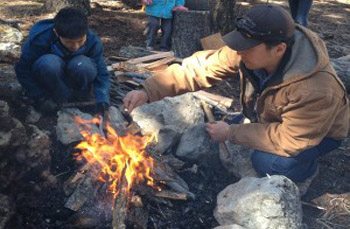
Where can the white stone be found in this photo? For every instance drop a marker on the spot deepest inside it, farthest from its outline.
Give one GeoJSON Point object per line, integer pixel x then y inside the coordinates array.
{"type": "Point", "coordinates": [260, 203]}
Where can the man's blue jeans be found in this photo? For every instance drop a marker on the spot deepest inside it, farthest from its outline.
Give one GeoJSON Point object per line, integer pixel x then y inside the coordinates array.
{"type": "Point", "coordinates": [59, 77]}
{"type": "Point", "coordinates": [300, 10]}
{"type": "Point", "coordinates": [166, 26]}
{"type": "Point", "coordinates": [297, 168]}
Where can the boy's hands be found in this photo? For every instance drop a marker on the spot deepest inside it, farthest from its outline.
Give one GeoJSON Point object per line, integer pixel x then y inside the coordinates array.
{"type": "Point", "coordinates": [134, 99]}
{"type": "Point", "coordinates": [101, 108]}
{"type": "Point", "coordinates": [180, 8]}
{"type": "Point", "coordinates": [147, 2]}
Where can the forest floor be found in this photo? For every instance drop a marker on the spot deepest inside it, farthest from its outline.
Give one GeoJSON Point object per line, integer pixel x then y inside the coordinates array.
{"type": "Point", "coordinates": [118, 25]}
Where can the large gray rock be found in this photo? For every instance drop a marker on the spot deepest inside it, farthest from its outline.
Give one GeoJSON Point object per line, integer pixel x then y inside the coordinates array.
{"type": "Point", "coordinates": [237, 160]}
{"type": "Point", "coordinates": [33, 116]}
{"type": "Point", "coordinates": [342, 67]}
{"type": "Point", "coordinates": [260, 203]}
{"type": "Point", "coordinates": [4, 109]}
{"type": "Point", "coordinates": [195, 144]}
{"type": "Point", "coordinates": [167, 138]}
{"type": "Point", "coordinates": [9, 34]}
{"type": "Point", "coordinates": [9, 52]}
{"type": "Point", "coordinates": [6, 210]}
{"type": "Point", "coordinates": [232, 226]}
{"type": "Point", "coordinates": [38, 148]}
{"type": "Point", "coordinates": [67, 130]}
{"type": "Point", "coordinates": [178, 113]}
{"type": "Point", "coordinates": [9, 86]}
{"type": "Point", "coordinates": [10, 38]}
{"type": "Point", "coordinates": [12, 131]}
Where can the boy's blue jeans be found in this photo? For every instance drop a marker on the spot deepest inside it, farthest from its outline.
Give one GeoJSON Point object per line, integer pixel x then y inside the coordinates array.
{"type": "Point", "coordinates": [300, 10]}
{"type": "Point", "coordinates": [59, 77]}
{"type": "Point", "coordinates": [297, 168]}
{"type": "Point", "coordinates": [166, 26]}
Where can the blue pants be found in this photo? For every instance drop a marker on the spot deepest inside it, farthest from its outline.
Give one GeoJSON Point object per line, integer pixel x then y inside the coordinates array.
{"type": "Point", "coordinates": [297, 168]}
{"type": "Point", "coordinates": [300, 10]}
{"type": "Point", "coordinates": [59, 77]}
{"type": "Point", "coordinates": [166, 26]}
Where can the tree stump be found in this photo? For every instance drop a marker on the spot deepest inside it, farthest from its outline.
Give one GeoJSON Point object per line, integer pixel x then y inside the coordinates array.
{"type": "Point", "coordinates": [56, 5]}
{"type": "Point", "coordinates": [204, 18]}
{"type": "Point", "coordinates": [189, 27]}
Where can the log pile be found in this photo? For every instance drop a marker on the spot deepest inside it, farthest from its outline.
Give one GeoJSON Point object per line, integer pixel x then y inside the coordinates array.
{"type": "Point", "coordinates": [130, 73]}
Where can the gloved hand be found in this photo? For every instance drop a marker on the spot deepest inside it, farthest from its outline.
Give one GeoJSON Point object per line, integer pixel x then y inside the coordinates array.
{"type": "Point", "coordinates": [101, 108]}
{"type": "Point", "coordinates": [46, 106]}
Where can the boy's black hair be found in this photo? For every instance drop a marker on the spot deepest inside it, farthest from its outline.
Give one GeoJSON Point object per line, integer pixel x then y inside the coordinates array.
{"type": "Point", "coordinates": [71, 23]}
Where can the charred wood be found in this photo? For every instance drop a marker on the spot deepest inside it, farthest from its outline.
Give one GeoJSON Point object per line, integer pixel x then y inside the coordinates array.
{"type": "Point", "coordinates": [120, 206]}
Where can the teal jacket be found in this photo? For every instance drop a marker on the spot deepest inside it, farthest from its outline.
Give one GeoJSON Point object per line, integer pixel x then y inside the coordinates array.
{"type": "Point", "coordinates": [163, 8]}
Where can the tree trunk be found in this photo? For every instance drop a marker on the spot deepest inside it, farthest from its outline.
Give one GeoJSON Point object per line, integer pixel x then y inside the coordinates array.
{"type": "Point", "coordinates": [56, 5]}
{"type": "Point", "coordinates": [204, 18]}
{"type": "Point", "coordinates": [223, 15]}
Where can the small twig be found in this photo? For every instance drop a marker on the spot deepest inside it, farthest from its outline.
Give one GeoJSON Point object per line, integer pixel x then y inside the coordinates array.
{"type": "Point", "coordinates": [63, 173]}
{"type": "Point", "coordinates": [313, 205]}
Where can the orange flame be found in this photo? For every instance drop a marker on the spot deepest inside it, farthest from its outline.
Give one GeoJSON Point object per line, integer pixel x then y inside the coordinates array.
{"type": "Point", "coordinates": [116, 157]}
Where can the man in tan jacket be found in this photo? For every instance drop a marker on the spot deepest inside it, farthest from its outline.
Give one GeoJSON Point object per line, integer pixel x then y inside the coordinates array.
{"type": "Point", "coordinates": [297, 105]}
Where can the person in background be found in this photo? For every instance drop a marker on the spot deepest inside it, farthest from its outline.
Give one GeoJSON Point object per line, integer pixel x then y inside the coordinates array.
{"type": "Point", "coordinates": [300, 11]}
{"type": "Point", "coordinates": [62, 61]}
{"type": "Point", "coordinates": [297, 106]}
{"type": "Point", "coordinates": [160, 14]}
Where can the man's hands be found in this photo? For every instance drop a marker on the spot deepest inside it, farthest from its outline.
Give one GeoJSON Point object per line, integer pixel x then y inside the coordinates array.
{"type": "Point", "coordinates": [134, 99]}
{"type": "Point", "coordinates": [218, 131]}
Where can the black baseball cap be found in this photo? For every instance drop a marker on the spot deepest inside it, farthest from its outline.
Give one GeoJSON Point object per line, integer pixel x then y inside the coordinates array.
{"type": "Point", "coordinates": [261, 23]}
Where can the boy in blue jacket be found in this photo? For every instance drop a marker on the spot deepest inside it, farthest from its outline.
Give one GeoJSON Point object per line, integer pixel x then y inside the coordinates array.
{"type": "Point", "coordinates": [160, 14]}
{"type": "Point", "coordinates": [62, 60]}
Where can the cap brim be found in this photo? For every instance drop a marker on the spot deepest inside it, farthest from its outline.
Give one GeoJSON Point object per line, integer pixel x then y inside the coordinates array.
{"type": "Point", "coordinates": [236, 41]}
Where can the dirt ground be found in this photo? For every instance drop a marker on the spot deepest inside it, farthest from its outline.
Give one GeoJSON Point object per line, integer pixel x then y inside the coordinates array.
{"type": "Point", "coordinates": [119, 25]}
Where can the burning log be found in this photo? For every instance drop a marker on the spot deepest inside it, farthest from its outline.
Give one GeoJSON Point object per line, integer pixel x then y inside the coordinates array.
{"type": "Point", "coordinates": [163, 173]}
{"type": "Point", "coordinates": [84, 182]}
{"type": "Point", "coordinates": [83, 192]}
{"type": "Point", "coordinates": [120, 204]}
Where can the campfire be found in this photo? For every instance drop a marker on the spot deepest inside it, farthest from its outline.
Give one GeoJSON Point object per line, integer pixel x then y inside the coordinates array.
{"type": "Point", "coordinates": [116, 157]}
{"type": "Point", "coordinates": [119, 168]}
